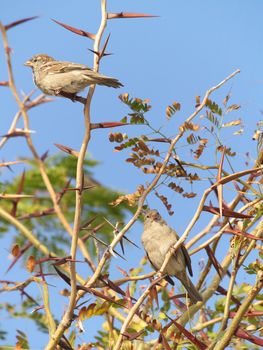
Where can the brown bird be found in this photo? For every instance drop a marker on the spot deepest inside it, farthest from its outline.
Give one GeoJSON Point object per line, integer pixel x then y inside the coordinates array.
{"type": "Point", "coordinates": [58, 77]}
{"type": "Point", "coordinates": [157, 239]}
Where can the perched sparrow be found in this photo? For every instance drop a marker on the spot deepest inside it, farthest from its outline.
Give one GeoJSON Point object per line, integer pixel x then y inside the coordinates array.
{"type": "Point", "coordinates": [157, 238]}
{"type": "Point", "coordinates": [58, 77]}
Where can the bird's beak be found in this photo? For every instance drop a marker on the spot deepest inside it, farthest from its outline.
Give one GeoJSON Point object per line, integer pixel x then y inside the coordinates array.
{"type": "Point", "coordinates": [28, 63]}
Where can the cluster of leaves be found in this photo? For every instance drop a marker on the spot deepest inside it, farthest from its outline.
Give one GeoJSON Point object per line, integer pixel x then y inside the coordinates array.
{"type": "Point", "coordinates": [138, 107]}
{"type": "Point", "coordinates": [24, 310]}
{"type": "Point", "coordinates": [34, 211]}
{"type": "Point", "coordinates": [147, 156]}
{"type": "Point", "coordinates": [172, 109]}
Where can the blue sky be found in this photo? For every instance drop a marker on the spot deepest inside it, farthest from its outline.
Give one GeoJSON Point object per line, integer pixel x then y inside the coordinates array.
{"type": "Point", "coordinates": [192, 46]}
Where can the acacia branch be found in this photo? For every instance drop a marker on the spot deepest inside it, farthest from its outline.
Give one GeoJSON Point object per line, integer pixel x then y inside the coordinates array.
{"type": "Point", "coordinates": [133, 311]}
{"type": "Point", "coordinates": [232, 328]}
{"type": "Point", "coordinates": [67, 318]}
{"type": "Point", "coordinates": [210, 290]}
{"type": "Point", "coordinates": [13, 124]}
{"type": "Point", "coordinates": [25, 231]}
{"type": "Point", "coordinates": [232, 205]}
{"type": "Point", "coordinates": [222, 230]}
{"type": "Point", "coordinates": [20, 285]}
{"type": "Point", "coordinates": [228, 300]}
{"type": "Point", "coordinates": [31, 237]}
{"type": "Point", "coordinates": [258, 232]}
{"type": "Point", "coordinates": [199, 210]}
{"type": "Point", "coordinates": [31, 146]}
{"type": "Point", "coordinates": [50, 320]}
{"type": "Point", "coordinates": [225, 224]}
{"type": "Point", "coordinates": [149, 189]}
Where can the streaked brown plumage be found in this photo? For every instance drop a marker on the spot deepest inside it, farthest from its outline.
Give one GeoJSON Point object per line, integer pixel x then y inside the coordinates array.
{"type": "Point", "coordinates": [55, 77]}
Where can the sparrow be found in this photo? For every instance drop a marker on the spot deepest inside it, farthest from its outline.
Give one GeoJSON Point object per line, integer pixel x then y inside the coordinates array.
{"type": "Point", "coordinates": [58, 77]}
{"type": "Point", "coordinates": [157, 239]}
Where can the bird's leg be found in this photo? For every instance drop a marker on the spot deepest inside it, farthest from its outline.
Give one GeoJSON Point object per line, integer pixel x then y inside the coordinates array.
{"type": "Point", "coordinates": [68, 95]}
{"type": "Point", "coordinates": [79, 99]}
{"type": "Point", "coordinates": [72, 97]}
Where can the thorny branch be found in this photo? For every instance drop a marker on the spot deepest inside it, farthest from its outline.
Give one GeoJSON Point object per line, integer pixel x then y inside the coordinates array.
{"type": "Point", "coordinates": [154, 182]}
{"type": "Point", "coordinates": [212, 287]}
{"type": "Point", "coordinates": [56, 333]}
{"type": "Point", "coordinates": [223, 343]}
{"type": "Point", "coordinates": [148, 190]}
{"type": "Point", "coordinates": [41, 165]}
{"type": "Point", "coordinates": [67, 318]}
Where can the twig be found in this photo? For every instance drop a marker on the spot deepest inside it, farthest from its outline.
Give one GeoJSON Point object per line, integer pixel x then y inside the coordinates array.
{"type": "Point", "coordinates": [26, 232]}
{"type": "Point", "coordinates": [11, 128]}
{"type": "Point", "coordinates": [258, 232]}
{"type": "Point", "coordinates": [221, 231]}
{"type": "Point", "coordinates": [16, 119]}
{"type": "Point", "coordinates": [31, 237]}
{"type": "Point", "coordinates": [230, 331]}
{"type": "Point", "coordinates": [232, 206]}
{"type": "Point", "coordinates": [133, 311]}
{"type": "Point", "coordinates": [134, 278]}
{"type": "Point", "coordinates": [213, 222]}
{"type": "Point", "coordinates": [20, 285]}
{"type": "Point", "coordinates": [151, 186]}
{"type": "Point", "coordinates": [210, 290]}
{"type": "Point", "coordinates": [206, 295]}
{"type": "Point", "coordinates": [117, 239]}
{"type": "Point", "coordinates": [50, 321]}
{"type": "Point", "coordinates": [38, 159]}
{"type": "Point", "coordinates": [67, 318]}
{"type": "Point", "coordinates": [228, 300]}
{"type": "Point", "coordinates": [198, 212]}
{"type": "Point", "coordinates": [209, 323]}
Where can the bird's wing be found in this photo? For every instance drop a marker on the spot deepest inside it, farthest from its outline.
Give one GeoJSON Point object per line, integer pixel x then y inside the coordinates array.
{"type": "Point", "coordinates": [65, 67]}
{"type": "Point", "coordinates": [185, 255]}
{"type": "Point", "coordinates": [73, 66]}
{"type": "Point", "coordinates": [187, 259]}
{"type": "Point", "coordinates": [155, 268]}
{"type": "Point", "coordinates": [167, 278]}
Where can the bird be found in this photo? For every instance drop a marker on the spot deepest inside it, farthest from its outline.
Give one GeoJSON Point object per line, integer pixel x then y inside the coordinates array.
{"type": "Point", "coordinates": [157, 238]}
{"type": "Point", "coordinates": [60, 77]}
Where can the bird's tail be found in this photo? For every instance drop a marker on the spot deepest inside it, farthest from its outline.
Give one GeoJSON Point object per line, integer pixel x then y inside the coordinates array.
{"type": "Point", "coordinates": [100, 79]}
{"type": "Point", "coordinates": [193, 293]}
{"type": "Point", "coordinates": [111, 82]}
